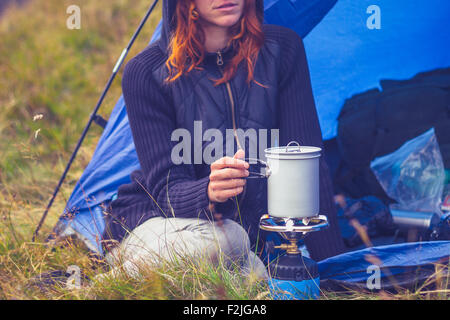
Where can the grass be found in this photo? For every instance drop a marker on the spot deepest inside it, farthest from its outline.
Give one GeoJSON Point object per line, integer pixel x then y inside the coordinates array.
{"type": "Point", "coordinates": [58, 74]}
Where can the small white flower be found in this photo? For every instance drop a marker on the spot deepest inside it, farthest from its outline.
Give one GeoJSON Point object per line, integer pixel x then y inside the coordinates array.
{"type": "Point", "coordinates": [36, 133]}
{"type": "Point", "coordinates": [38, 117]}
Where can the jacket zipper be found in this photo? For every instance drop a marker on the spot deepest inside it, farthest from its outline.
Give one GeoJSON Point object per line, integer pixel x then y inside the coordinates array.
{"type": "Point", "coordinates": [230, 95]}
{"type": "Point", "coordinates": [233, 117]}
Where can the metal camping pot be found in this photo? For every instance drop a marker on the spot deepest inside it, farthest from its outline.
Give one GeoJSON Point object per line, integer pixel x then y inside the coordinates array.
{"type": "Point", "coordinates": [293, 181]}
{"type": "Point", "coordinates": [424, 221]}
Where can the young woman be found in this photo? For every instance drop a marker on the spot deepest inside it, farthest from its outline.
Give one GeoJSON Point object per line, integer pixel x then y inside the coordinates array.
{"type": "Point", "coordinates": [216, 67]}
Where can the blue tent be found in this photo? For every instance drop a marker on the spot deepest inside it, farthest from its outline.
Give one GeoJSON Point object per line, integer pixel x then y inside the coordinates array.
{"type": "Point", "coordinates": [351, 46]}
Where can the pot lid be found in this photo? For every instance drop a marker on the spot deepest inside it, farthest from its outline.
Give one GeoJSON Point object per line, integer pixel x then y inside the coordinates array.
{"type": "Point", "coordinates": [293, 150]}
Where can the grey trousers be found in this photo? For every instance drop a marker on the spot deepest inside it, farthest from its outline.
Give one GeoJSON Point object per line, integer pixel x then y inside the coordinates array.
{"type": "Point", "coordinates": [167, 239]}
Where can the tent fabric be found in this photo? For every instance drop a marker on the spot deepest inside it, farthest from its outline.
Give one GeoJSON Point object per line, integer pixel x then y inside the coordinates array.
{"type": "Point", "coordinates": [395, 259]}
{"type": "Point", "coordinates": [345, 58]}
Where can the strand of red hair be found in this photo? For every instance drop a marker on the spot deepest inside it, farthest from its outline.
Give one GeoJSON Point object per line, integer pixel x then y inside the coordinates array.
{"type": "Point", "coordinates": [187, 50]}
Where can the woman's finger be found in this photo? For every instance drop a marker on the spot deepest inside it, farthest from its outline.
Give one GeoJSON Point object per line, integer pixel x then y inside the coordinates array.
{"type": "Point", "coordinates": [228, 173]}
{"type": "Point", "coordinates": [224, 195]}
{"type": "Point", "coordinates": [227, 184]}
{"type": "Point", "coordinates": [228, 162]}
{"type": "Point", "coordinates": [240, 154]}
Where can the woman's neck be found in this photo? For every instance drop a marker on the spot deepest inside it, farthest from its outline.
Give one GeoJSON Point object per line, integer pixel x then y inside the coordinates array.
{"type": "Point", "coordinates": [216, 37]}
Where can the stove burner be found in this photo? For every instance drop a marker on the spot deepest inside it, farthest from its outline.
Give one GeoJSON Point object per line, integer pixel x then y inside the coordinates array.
{"type": "Point", "coordinates": [293, 226]}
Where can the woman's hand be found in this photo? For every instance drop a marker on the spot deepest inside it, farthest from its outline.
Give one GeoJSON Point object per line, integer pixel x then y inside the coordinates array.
{"type": "Point", "coordinates": [227, 177]}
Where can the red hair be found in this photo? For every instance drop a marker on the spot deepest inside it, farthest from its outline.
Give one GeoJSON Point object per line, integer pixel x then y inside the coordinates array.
{"type": "Point", "coordinates": [187, 49]}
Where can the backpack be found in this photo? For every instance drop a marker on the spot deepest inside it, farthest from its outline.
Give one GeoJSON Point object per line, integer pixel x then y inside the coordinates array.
{"type": "Point", "coordinates": [377, 122]}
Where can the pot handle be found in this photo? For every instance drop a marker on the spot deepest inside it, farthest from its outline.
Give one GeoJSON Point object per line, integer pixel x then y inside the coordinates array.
{"type": "Point", "coordinates": [291, 143]}
{"type": "Point", "coordinates": [258, 175]}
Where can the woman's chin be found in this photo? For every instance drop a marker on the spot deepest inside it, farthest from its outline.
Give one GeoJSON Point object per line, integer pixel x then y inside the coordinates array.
{"type": "Point", "coordinates": [226, 21]}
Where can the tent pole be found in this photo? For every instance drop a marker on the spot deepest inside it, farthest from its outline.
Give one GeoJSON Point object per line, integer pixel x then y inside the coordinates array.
{"type": "Point", "coordinates": [94, 114]}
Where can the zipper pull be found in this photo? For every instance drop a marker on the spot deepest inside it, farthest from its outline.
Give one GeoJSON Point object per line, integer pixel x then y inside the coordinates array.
{"type": "Point", "coordinates": [219, 58]}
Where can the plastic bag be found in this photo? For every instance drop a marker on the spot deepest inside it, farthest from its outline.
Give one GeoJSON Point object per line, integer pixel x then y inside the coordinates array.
{"type": "Point", "coordinates": [414, 174]}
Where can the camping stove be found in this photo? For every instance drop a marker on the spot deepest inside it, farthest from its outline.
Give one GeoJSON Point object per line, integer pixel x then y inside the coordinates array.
{"type": "Point", "coordinates": [293, 204]}
{"type": "Point", "coordinates": [293, 276]}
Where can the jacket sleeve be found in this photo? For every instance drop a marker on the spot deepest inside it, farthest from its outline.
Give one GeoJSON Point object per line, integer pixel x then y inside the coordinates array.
{"type": "Point", "coordinates": [174, 189]}
{"type": "Point", "coordinates": [298, 121]}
